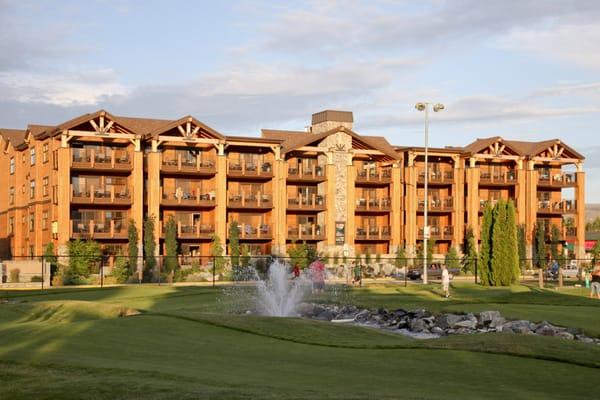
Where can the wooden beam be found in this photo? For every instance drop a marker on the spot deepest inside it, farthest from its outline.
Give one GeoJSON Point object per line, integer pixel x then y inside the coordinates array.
{"type": "Point", "coordinates": [493, 157]}
{"type": "Point", "coordinates": [557, 160]}
{"type": "Point", "coordinates": [177, 139]}
{"type": "Point", "coordinates": [181, 129]}
{"type": "Point", "coordinates": [100, 135]}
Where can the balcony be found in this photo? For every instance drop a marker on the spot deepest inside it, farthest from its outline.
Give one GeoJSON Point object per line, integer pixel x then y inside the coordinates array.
{"type": "Point", "coordinates": [254, 232]}
{"type": "Point", "coordinates": [569, 233]}
{"type": "Point", "coordinates": [314, 202]}
{"type": "Point", "coordinates": [438, 205]}
{"type": "Point", "coordinates": [306, 232]}
{"type": "Point", "coordinates": [374, 176]}
{"type": "Point", "coordinates": [300, 174]}
{"type": "Point", "coordinates": [249, 170]}
{"type": "Point", "coordinates": [500, 178]}
{"type": "Point", "coordinates": [438, 232]}
{"type": "Point", "coordinates": [437, 177]}
{"type": "Point", "coordinates": [557, 207]}
{"type": "Point", "coordinates": [107, 195]}
{"type": "Point", "coordinates": [195, 231]}
{"type": "Point", "coordinates": [179, 164]}
{"type": "Point", "coordinates": [249, 200]}
{"type": "Point", "coordinates": [373, 233]}
{"type": "Point", "coordinates": [107, 159]}
{"type": "Point", "coordinates": [557, 180]}
{"type": "Point", "coordinates": [189, 198]}
{"type": "Point", "coordinates": [107, 229]}
{"type": "Point", "coordinates": [374, 205]}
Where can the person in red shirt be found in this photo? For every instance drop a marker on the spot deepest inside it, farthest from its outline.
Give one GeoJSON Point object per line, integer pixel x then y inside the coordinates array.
{"type": "Point", "coordinates": [296, 271]}
{"type": "Point", "coordinates": [317, 273]}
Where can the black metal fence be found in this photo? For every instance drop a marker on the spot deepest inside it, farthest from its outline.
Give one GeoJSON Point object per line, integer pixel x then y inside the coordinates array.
{"type": "Point", "coordinates": [43, 272]}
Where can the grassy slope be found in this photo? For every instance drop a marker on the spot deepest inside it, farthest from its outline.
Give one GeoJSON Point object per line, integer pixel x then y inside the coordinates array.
{"type": "Point", "coordinates": [182, 347]}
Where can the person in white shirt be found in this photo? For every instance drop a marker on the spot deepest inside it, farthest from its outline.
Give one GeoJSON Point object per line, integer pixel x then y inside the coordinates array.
{"type": "Point", "coordinates": [445, 281]}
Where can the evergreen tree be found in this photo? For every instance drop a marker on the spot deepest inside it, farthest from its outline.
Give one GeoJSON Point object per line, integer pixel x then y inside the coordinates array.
{"type": "Point", "coordinates": [513, 243]}
{"type": "Point", "coordinates": [149, 248]}
{"type": "Point", "coordinates": [540, 247]}
{"type": "Point", "coordinates": [400, 260]}
{"type": "Point", "coordinates": [521, 246]}
{"type": "Point", "coordinates": [234, 244]}
{"type": "Point", "coordinates": [245, 259]}
{"type": "Point", "coordinates": [485, 249]}
{"type": "Point", "coordinates": [132, 246]}
{"type": "Point", "coordinates": [470, 251]}
{"type": "Point", "coordinates": [171, 264]}
{"type": "Point", "coordinates": [555, 240]}
{"type": "Point", "coordinates": [216, 251]}
{"type": "Point", "coordinates": [499, 255]}
{"type": "Point", "coordinates": [451, 260]}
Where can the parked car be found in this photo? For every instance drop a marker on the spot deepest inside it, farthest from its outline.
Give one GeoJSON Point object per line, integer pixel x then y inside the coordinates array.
{"type": "Point", "coordinates": [433, 272]}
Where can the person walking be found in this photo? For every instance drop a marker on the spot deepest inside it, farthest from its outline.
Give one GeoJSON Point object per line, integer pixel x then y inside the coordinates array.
{"type": "Point", "coordinates": [357, 272]}
{"type": "Point", "coordinates": [595, 285]}
{"type": "Point", "coordinates": [317, 273]}
{"type": "Point", "coordinates": [445, 281]}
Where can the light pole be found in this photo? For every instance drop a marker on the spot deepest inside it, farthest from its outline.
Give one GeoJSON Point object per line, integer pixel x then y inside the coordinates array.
{"type": "Point", "coordinates": [436, 108]}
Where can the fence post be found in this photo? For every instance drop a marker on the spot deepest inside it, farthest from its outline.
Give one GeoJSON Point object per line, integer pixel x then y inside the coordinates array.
{"type": "Point", "coordinates": [213, 271]}
{"type": "Point", "coordinates": [43, 276]}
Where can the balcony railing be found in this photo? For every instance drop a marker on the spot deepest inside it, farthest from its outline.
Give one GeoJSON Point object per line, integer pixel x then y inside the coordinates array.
{"type": "Point", "coordinates": [191, 197]}
{"type": "Point", "coordinates": [194, 231]}
{"type": "Point", "coordinates": [101, 195]}
{"type": "Point", "coordinates": [312, 202]}
{"type": "Point", "coordinates": [179, 163]}
{"type": "Point", "coordinates": [438, 232]}
{"type": "Point", "coordinates": [557, 180]}
{"type": "Point", "coordinates": [373, 233]}
{"type": "Point", "coordinates": [102, 229]}
{"type": "Point", "coordinates": [100, 159]}
{"type": "Point", "coordinates": [249, 200]}
{"type": "Point", "coordinates": [306, 232]}
{"type": "Point", "coordinates": [314, 173]}
{"type": "Point", "coordinates": [249, 169]}
{"type": "Point", "coordinates": [499, 178]}
{"type": "Point", "coordinates": [250, 231]}
{"type": "Point", "coordinates": [442, 176]}
{"type": "Point", "coordinates": [377, 204]}
{"type": "Point", "coordinates": [374, 175]}
{"type": "Point", "coordinates": [559, 207]}
{"type": "Point", "coordinates": [437, 204]}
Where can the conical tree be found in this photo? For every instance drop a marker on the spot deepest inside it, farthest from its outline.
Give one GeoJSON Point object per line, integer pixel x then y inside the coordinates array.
{"type": "Point", "coordinates": [234, 244]}
{"type": "Point", "coordinates": [540, 246]}
{"type": "Point", "coordinates": [486, 246]}
{"type": "Point", "coordinates": [171, 263]}
{"type": "Point", "coordinates": [521, 246]}
{"type": "Point", "coordinates": [499, 255]}
{"type": "Point", "coordinates": [513, 243]}
{"type": "Point", "coordinates": [469, 251]}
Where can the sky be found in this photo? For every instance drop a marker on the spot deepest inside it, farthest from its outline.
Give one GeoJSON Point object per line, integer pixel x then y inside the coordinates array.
{"type": "Point", "coordinates": [523, 70]}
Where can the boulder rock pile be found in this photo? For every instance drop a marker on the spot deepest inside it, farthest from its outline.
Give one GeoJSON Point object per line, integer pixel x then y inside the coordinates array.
{"type": "Point", "coordinates": [425, 325]}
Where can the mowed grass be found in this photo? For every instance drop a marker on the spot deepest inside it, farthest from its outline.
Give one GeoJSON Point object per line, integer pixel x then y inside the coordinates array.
{"type": "Point", "coordinates": [72, 344]}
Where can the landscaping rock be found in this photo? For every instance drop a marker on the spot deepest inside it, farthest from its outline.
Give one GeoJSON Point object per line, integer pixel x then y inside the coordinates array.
{"type": "Point", "coordinates": [486, 317]}
{"type": "Point", "coordinates": [469, 321]}
{"type": "Point", "coordinates": [497, 322]}
{"type": "Point", "coordinates": [417, 325]}
{"type": "Point", "coordinates": [437, 330]}
{"type": "Point", "coordinates": [446, 321]}
{"type": "Point", "coordinates": [584, 339]}
{"type": "Point", "coordinates": [545, 329]}
{"type": "Point", "coordinates": [565, 335]}
{"type": "Point", "coordinates": [519, 326]}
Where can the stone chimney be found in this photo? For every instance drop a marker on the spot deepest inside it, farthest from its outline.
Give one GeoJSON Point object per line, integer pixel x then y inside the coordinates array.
{"type": "Point", "coordinates": [329, 119]}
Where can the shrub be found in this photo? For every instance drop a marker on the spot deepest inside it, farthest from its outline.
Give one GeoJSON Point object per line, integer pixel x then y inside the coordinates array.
{"type": "Point", "coordinates": [451, 259]}
{"type": "Point", "coordinates": [132, 246]}
{"type": "Point", "coordinates": [171, 262]}
{"type": "Point", "coordinates": [83, 255]}
{"type": "Point", "coordinates": [149, 248]}
{"type": "Point", "coordinates": [15, 275]}
{"type": "Point", "coordinates": [121, 271]}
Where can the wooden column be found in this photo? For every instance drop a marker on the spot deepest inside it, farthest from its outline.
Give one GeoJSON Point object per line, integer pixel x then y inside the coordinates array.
{"type": "Point", "coordinates": [531, 206]}
{"type": "Point", "coordinates": [331, 179]}
{"type": "Point", "coordinates": [580, 218]}
{"type": "Point", "coordinates": [154, 164]}
{"type": "Point", "coordinates": [411, 204]}
{"type": "Point", "coordinates": [279, 205]}
{"type": "Point", "coordinates": [473, 200]}
{"type": "Point", "coordinates": [137, 196]}
{"type": "Point", "coordinates": [351, 202]}
{"type": "Point", "coordinates": [64, 196]}
{"type": "Point", "coordinates": [458, 218]}
{"type": "Point", "coordinates": [396, 215]}
{"type": "Point", "coordinates": [221, 195]}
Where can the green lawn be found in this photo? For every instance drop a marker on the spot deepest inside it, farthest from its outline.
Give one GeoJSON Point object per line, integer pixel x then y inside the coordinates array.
{"type": "Point", "coordinates": [72, 344]}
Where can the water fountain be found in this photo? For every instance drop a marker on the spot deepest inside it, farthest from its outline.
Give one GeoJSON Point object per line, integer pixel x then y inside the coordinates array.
{"type": "Point", "coordinates": [278, 296]}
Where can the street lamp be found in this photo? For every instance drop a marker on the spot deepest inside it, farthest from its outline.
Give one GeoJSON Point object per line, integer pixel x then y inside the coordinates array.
{"type": "Point", "coordinates": [436, 108]}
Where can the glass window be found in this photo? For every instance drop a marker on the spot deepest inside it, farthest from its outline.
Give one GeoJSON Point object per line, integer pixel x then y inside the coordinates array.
{"type": "Point", "coordinates": [11, 195]}
{"type": "Point", "coordinates": [45, 215]}
{"type": "Point", "coordinates": [32, 156]}
{"type": "Point", "coordinates": [45, 186]}
{"type": "Point", "coordinates": [45, 148]}
{"type": "Point", "coordinates": [12, 165]}
{"type": "Point", "coordinates": [31, 222]}
{"type": "Point", "coordinates": [32, 189]}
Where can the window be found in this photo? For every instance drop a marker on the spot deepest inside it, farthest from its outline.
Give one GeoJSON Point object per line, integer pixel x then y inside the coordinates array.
{"type": "Point", "coordinates": [31, 222]}
{"type": "Point", "coordinates": [32, 156]}
{"type": "Point", "coordinates": [32, 189]}
{"type": "Point", "coordinates": [11, 225]}
{"type": "Point", "coordinates": [45, 216]}
{"type": "Point", "coordinates": [23, 157]}
{"type": "Point", "coordinates": [12, 165]}
{"type": "Point", "coordinates": [45, 182]}
{"type": "Point", "coordinates": [45, 149]}
{"type": "Point", "coordinates": [11, 195]}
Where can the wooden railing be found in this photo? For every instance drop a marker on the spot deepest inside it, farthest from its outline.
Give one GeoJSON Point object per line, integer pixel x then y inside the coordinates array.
{"type": "Point", "coordinates": [313, 202]}
{"type": "Point", "coordinates": [249, 200]}
{"type": "Point", "coordinates": [299, 173]}
{"type": "Point", "coordinates": [442, 176]}
{"type": "Point", "coordinates": [306, 232]}
{"type": "Point", "coordinates": [438, 232]}
{"type": "Point", "coordinates": [437, 204]}
{"type": "Point", "coordinates": [373, 233]}
{"type": "Point", "coordinates": [374, 175]}
{"type": "Point", "coordinates": [374, 204]}
{"type": "Point", "coordinates": [90, 229]}
{"type": "Point", "coordinates": [192, 197]}
{"type": "Point", "coordinates": [249, 169]}
{"type": "Point", "coordinates": [558, 180]}
{"type": "Point", "coordinates": [100, 195]}
{"type": "Point", "coordinates": [507, 177]}
{"type": "Point", "coordinates": [177, 163]}
{"type": "Point", "coordinates": [249, 231]}
{"type": "Point", "coordinates": [91, 158]}
{"type": "Point", "coordinates": [201, 231]}
{"type": "Point", "coordinates": [563, 206]}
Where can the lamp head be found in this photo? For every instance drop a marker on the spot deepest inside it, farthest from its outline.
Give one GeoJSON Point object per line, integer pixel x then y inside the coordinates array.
{"type": "Point", "coordinates": [438, 107]}
{"type": "Point", "coordinates": [420, 106]}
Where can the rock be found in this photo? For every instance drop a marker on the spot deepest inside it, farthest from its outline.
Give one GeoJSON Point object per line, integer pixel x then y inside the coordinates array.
{"type": "Point", "coordinates": [399, 312]}
{"type": "Point", "coordinates": [429, 321]}
{"type": "Point", "coordinates": [497, 322]}
{"type": "Point", "coordinates": [403, 323]}
{"type": "Point", "coordinates": [463, 331]}
{"type": "Point", "coordinates": [469, 321]}
{"type": "Point", "coordinates": [420, 313]}
{"type": "Point", "coordinates": [437, 330]}
{"type": "Point", "coordinates": [446, 321]}
{"type": "Point", "coordinates": [325, 315]}
{"type": "Point", "coordinates": [362, 316]}
{"type": "Point", "coordinates": [488, 316]}
{"type": "Point", "coordinates": [565, 335]}
{"type": "Point", "coordinates": [417, 325]}
{"type": "Point", "coordinates": [545, 329]}
{"type": "Point", "coordinates": [519, 326]}
{"type": "Point", "coordinates": [584, 339]}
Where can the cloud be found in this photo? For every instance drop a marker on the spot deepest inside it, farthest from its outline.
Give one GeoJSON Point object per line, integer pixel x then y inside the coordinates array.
{"type": "Point", "coordinates": [592, 88]}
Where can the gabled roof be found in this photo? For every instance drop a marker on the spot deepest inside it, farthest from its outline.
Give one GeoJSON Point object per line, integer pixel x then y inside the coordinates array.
{"type": "Point", "coordinates": [174, 124]}
{"type": "Point", "coordinates": [483, 143]}
{"type": "Point", "coordinates": [72, 123]}
{"type": "Point", "coordinates": [533, 149]}
{"type": "Point", "coordinates": [280, 134]}
{"type": "Point", "coordinates": [38, 130]}
{"type": "Point", "coordinates": [374, 142]}
{"type": "Point", "coordinates": [144, 126]}
{"type": "Point", "coordinates": [15, 137]}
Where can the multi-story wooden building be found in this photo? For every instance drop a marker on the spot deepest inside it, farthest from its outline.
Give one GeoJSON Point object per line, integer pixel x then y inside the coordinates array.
{"type": "Point", "coordinates": [92, 176]}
